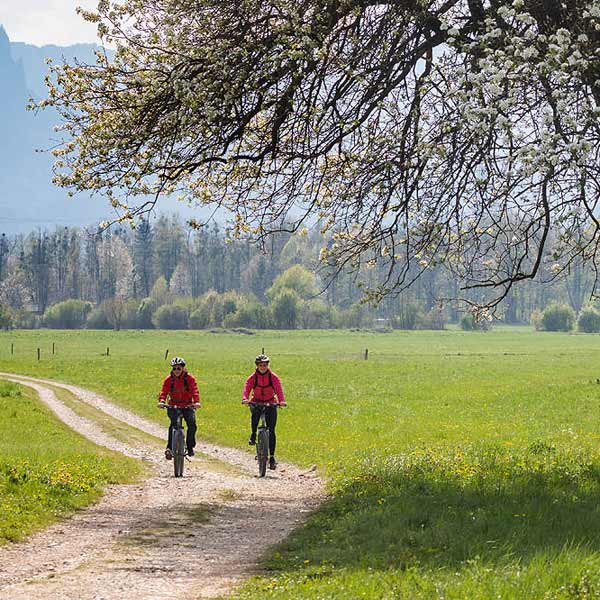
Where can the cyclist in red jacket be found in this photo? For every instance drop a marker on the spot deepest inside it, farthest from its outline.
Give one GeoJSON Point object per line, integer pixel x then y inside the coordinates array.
{"type": "Point", "coordinates": [264, 387]}
{"type": "Point", "coordinates": [180, 390]}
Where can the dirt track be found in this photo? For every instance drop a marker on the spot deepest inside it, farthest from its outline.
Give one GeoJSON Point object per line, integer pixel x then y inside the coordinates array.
{"type": "Point", "coordinates": [188, 538]}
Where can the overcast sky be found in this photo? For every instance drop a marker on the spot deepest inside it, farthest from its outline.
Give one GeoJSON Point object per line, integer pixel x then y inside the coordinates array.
{"type": "Point", "coordinates": [41, 22]}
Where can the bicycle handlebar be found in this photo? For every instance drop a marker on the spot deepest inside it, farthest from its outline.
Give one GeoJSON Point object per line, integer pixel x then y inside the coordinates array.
{"type": "Point", "coordinates": [248, 403]}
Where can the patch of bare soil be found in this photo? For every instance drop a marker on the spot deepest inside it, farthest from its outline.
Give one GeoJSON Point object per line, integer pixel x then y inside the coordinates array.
{"type": "Point", "coordinates": [188, 538]}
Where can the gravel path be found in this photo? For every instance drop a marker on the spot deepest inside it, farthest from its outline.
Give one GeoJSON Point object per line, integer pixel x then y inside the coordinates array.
{"type": "Point", "coordinates": [189, 538]}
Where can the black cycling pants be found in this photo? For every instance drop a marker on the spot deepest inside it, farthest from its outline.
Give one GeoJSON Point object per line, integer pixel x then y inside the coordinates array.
{"type": "Point", "coordinates": [270, 418]}
{"type": "Point", "coordinates": [189, 416]}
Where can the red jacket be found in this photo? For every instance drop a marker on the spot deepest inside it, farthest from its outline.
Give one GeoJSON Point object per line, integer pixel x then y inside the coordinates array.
{"type": "Point", "coordinates": [265, 388]}
{"type": "Point", "coordinates": [181, 391]}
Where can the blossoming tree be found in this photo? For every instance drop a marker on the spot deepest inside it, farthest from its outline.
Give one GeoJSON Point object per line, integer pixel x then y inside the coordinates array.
{"type": "Point", "coordinates": [417, 132]}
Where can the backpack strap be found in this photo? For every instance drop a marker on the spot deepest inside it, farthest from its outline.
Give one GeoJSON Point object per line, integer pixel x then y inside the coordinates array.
{"type": "Point", "coordinates": [186, 385]}
{"type": "Point", "coordinates": [256, 380]}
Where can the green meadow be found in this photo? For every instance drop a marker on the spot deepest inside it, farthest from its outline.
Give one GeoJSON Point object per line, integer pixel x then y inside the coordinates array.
{"type": "Point", "coordinates": [46, 469]}
{"type": "Point", "coordinates": [459, 464]}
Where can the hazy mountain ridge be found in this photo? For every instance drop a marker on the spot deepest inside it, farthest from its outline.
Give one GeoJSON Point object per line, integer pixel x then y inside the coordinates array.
{"type": "Point", "coordinates": [28, 199]}
{"type": "Point", "coordinates": [33, 60]}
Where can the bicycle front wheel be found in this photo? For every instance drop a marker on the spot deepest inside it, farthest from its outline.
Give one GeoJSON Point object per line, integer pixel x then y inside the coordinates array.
{"type": "Point", "coordinates": [178, 452]}
{"type": "Point", "coordinates": [262, 451]}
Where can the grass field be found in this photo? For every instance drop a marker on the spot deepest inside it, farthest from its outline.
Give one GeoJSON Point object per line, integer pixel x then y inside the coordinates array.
{"type": "Point", "coordinates": [461, 465]}
{"type": "Point", "coordinates": [47, 470]}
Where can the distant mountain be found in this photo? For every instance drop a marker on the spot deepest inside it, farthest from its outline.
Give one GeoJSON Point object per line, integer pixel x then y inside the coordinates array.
{"type": "Point", "coordinates": [33, 60]}
{"type": "Point", "coordinates": [28, 199]}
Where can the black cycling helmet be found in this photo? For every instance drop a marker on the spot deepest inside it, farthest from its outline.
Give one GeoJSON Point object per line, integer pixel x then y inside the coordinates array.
{"type": "Point", "coordinates": [177, 361]}
{"type": "Point", "coordinates": [261, 358]}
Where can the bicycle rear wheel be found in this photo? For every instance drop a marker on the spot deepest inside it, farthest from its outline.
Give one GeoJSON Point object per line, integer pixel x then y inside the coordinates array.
{"type": "Point", "coordinates": [178, 452]}
{"type": "Point", "coordinates": [262, 451]}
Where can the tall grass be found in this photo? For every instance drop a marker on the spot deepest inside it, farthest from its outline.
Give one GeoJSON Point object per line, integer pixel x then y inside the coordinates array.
{"type": "Point", "coordinates": [477, 522]}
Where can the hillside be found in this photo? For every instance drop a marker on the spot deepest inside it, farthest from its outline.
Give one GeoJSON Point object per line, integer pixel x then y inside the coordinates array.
{"type": "Point", "coordinates": [28, 199]}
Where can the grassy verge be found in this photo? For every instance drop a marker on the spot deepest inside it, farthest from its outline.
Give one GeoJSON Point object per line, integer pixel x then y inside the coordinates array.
{"type": "Point", "coordinates": [477, 522]}
{"type": "Point", "coordinates": [113, 427]}
{"type": "Point", "coordinates": [47, 470]}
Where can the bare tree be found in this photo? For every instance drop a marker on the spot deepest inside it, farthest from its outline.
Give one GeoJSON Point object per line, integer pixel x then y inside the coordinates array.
{"type": "Point", "coordinates": [456, 132]}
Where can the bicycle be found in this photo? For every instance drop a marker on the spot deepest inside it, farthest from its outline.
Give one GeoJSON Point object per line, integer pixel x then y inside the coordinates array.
{"type": "Point", "coordinates": [262, 437]}
{"type": "Point", "coordinates": [178, 447]}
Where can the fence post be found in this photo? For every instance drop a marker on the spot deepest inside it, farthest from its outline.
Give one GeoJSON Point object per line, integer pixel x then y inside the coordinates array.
{"type": "Point", "coordinates": [366, 354]}
{"type": "Point", "coordinates": [38, 353]}
{"type": "Point", "coordinates": [166, 353]}
{"type": "Point", "coordinates": [12, 349]}
{"type": "Point", "coordinates": [52, 348]}
{"type": "Point", "coordinates": [263, 351]}
{"type": "Point", "coordinates": [107, 351]}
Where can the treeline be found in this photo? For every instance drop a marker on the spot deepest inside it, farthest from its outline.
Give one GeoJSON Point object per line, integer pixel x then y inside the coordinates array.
{"type": "Point", "coordinates": [165, 274]}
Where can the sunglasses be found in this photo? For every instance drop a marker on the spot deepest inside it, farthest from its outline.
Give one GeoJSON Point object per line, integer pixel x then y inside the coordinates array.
{"type": "Point", "coordinates": [177, 368]}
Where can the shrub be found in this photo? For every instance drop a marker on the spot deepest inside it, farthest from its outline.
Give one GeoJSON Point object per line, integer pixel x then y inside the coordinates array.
{"type": "Point", "coordinates": [314, 314]}
{"type": "Point", "coordinates": [536, 319]}
{"type": "Point", "coordinates": [249, 314]}
{"type": "Point", "coordinates": [160, 292]}
{"type": "Point", "coordinates": [114, 313]}
{"type": "Point", "coordinates": [467, 323]}
{"type": "Point", "coordinates": [170, 316]}
{"type": "Point", "coordinates": [6, 317]}
{"type": "Point", "coordinates": [200, 318]}
{"type": "Point", "coordinates": [285, 309]}
{"type": "Point", "coordinates": [70, 314]}
{"type": "Point", "coordinates": [97, 319]}
{"type": "Point", "coordinates": [589, 320]}
{"type": "Point", "coordinates": [115, 310]}
{"type": "Point", "coordinates": [232, 320]}
{"type": "Point", "coordinates": [409, 317]}
{"type": "Point", "coordinates": [298, 279]}
{"type": "Point", "coordinates": [356, 316]}
{"type": "Point", "coordinates": [211, 309]}
{"type": "Point", "coordinates": [23, 319]}
{"type": "Point", "coordinates": [144, 313]}
{"type": "Point", "coordinates": [558, 317]}
{"type": "Point", "coordinates": [131, 320]}
{"type": "Point", "coordinates": [216, 302]}
{"type": "Point", "coordinates": [230, 302]}
{"type": "Point", "coordinates": [434, 319]}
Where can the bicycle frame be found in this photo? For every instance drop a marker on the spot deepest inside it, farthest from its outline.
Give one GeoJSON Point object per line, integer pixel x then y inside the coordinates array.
{"type": "Point", "coordinates": [262, 438]}
{"type": "Point", "coordinates": [178, 443]}
{"type": "Point", "coordinates": [178, 446]}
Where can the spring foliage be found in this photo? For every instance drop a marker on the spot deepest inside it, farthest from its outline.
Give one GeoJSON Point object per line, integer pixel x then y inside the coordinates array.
{"type": "Point", "coordinates": [462, 132]}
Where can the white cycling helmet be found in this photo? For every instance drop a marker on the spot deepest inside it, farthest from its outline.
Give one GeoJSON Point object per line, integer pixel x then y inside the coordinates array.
{"type": "Point", "coordinates": [261, 358]}
{"type": "Point", "coordinates": [177, 361]}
